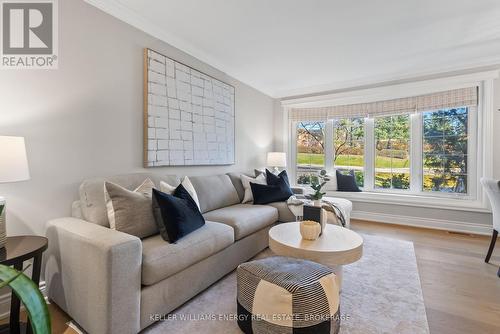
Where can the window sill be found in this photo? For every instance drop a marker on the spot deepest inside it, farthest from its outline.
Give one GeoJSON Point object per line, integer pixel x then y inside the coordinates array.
{"type": "Point", "coordinates": [434, 202]}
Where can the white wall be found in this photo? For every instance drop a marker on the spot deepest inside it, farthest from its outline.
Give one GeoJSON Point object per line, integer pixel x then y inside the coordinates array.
{"type": "Point", "coordinates": [429, 216]}
{"type": "Point", "coordinates": [85, 119]}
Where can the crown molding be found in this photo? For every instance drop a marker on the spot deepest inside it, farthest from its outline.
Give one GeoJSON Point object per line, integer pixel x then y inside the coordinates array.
{"type": "Point", "coordinates": [479, 65]}
{"type": "Point", "coordinates": [391, 91]}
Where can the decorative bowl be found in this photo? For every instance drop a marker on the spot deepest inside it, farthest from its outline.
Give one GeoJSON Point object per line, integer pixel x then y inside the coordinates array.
{"type": "Point", "coordinates": [310, 230]}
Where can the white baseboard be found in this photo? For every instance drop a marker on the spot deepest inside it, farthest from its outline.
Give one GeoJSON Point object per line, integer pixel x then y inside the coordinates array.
{"type": "Point", "coordinates": [437, 224]}
{"type": "Point", "coordinates": [5, 302]}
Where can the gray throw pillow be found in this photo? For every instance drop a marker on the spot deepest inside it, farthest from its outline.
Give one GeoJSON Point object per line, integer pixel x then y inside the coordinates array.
{"type": "Point", "coordinates": [131, 211]}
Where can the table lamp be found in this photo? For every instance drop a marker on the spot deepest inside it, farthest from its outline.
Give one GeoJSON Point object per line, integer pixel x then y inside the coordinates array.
{"type": "Point", "coordinates": [13, 168]}
{"type": "Point", "coordinates": [276, 160]}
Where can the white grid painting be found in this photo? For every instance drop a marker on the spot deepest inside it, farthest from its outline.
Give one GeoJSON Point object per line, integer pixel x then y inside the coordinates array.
{"type": "Point", "coordinates": [189, 116]}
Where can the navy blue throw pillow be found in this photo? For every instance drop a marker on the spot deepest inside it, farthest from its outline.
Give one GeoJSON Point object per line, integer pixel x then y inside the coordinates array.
{"type": "Point", "coordinates": [274, 179]}
{"type": "Point", "coordinates": [176, 215]}
{"type": "Point", "coordinates": [264, 194]}
{"type": "Point", "coordinates": [346, 182]}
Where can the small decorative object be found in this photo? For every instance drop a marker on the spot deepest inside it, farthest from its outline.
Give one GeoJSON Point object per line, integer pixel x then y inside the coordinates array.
{"type": "Point", "coordinates": [317, 183]}
{"type": "Point", "coordinates": [310, 230]}
{"type": "Point", "coordinates": [189, 116]}
{"type": "Point", "coordinates": [13, 168]}
{"type": "Point", "coordinates": [276, 160]}
{"type": "Point", "coordinates": [315, 213]}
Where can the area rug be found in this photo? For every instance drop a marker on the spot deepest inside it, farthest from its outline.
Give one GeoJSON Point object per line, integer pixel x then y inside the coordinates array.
{"type": "Point", "coordinates": [381, 293]}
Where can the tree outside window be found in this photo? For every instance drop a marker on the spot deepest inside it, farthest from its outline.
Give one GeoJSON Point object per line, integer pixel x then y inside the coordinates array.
{"type": "Point", "coordinates": [310, 150]}
{"type": "Point", "coordinates": [392, 152]}
{"type": "Point", "coordinates": [349, 147]}
{"type": "Point", "coordinates": [445, 136]}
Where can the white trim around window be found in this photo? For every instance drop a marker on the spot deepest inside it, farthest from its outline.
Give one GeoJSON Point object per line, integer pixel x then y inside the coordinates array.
{"type": "Point", "coordinates": [480, 143]}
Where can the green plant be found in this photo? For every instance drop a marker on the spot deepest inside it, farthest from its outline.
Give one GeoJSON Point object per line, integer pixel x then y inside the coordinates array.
{"type": "Point", "coordinates": [27, 291]}
{"type": "Point", "coordinates": [317, 183]}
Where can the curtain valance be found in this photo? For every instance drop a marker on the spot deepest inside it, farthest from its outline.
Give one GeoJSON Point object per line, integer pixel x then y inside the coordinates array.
{"type": "Point", "coordinates": [463, 97]}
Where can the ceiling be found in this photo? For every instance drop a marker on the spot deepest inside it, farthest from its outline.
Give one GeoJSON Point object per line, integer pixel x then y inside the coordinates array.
{"type": "Point", "coordinates": [292, 47]}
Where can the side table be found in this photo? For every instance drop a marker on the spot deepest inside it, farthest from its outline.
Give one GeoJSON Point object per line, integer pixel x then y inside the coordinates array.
{"type": "Point", "coordinates": [336, 247]}
{"type": "Point", "coordinates": [16, 251]}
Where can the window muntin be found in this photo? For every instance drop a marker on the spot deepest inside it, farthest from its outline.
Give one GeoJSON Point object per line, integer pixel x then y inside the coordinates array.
{"type": "Point", "coordinates": [392, 152]}
{"type": "Point", "coordinates": [445, 150]}
{"type": "Point", "coordinates": [349, 147]}
{"type": "Point", "coordinates": [310, 150]}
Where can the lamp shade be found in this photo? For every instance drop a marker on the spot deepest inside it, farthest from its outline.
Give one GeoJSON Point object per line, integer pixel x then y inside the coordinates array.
{"type": "Point", "coordinates": [13, 160]}
{"type": "Point", "coordinates": [276, 159]}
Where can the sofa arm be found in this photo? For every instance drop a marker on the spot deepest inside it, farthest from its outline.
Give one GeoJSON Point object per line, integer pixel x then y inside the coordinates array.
{"type": "Point", "coordinates": [94, 274]}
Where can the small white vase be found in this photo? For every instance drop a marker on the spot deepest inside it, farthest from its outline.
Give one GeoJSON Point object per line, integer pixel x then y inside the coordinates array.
{"type": "Point", "coordinates": [310, 230]}
{"type": "Point", "coordinates": [317, 202]}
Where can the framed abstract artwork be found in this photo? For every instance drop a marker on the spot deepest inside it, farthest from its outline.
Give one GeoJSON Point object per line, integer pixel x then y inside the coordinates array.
{"type": "Point", "coordinates": [189, 116]}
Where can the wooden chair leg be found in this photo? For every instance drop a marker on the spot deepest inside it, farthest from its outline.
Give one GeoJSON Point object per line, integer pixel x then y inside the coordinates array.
{"type": "Point", "coordinates": [492, 246]}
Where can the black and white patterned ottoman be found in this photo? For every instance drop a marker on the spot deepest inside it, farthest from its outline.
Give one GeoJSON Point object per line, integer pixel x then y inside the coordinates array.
{"type": "Point", "coordinates": [287, 296]}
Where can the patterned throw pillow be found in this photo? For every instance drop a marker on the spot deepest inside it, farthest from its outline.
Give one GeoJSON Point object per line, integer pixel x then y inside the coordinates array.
{"type": "Point", "coordinates": [130, 211]}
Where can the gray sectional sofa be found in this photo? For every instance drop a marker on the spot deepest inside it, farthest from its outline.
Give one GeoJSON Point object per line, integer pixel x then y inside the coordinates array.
{"type": "Point", "coordinates": [111, 282]}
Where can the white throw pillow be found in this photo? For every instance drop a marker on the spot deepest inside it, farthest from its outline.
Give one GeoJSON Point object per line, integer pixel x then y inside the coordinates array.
{"type": "Point", "coordinates": [245, 180]}
{"type": "Point", "coordinates": [166, 188]}
{"type": "Point", "coordinates": [186, 183]}
{"type": "Point", "coordinates": [332, 184]}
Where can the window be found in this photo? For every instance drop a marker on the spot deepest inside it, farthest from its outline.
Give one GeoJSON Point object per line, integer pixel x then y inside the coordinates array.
{"type": "Point", "coordinates": [310, 150]}
{"type": "Point", "coordinates": [425, 145]}
{"type": "Point", "coordinates": [392, 152]}
{"type": "Point", "coordinates": [349, 147]}
{"type": "Point", "coordinates": [445, 141]}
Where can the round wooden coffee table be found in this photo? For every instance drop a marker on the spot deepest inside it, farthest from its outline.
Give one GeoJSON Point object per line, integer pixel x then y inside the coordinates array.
{"type": "Point", "coordinates": [334, 248]}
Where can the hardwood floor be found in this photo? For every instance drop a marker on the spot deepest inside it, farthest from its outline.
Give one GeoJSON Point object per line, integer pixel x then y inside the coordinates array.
{"type": "Point", "coordinates": [461, 292]}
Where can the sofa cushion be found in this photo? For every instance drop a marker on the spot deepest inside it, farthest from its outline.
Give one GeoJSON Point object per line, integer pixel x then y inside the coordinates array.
{"type": "Point", "coordinates": [236, 180]}
{"type": "Point", "coordinates": [161, 259]}
{"type": "Point", "coordinates": [284, 213]}
{"type": "Point", "coordinates": [244, 218]}
{"type": "Point", "coordinates": [238, 184]}
{"type": "Point", "coordinates": [214, 192]}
